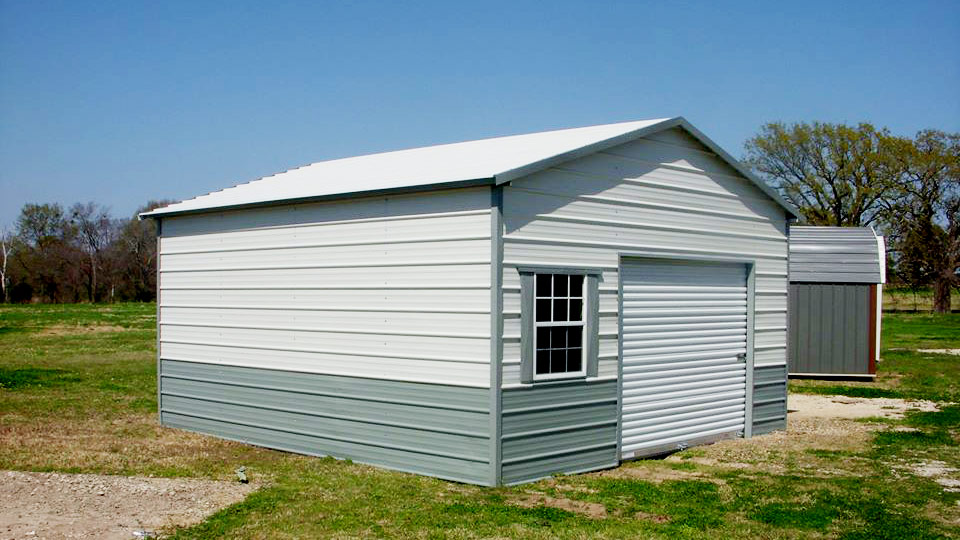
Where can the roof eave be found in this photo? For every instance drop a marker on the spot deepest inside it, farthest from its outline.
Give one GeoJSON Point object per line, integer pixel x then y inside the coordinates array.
{"type": "Point", "coordinates": [159, 213]}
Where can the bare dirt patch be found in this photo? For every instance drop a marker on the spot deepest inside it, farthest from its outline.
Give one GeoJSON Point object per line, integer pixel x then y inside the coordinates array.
{"type": "Point", "coordinates": [653, 471]}
{"type": "Point", "coordinates": [133, 443]}
{"type": "Point", "coordinates": [936, 470]}
{"type": "Point", "coordinates": [54, 505]}
{"type": "Point", "coordinates": [816, 406]}
{"type": "Point", "coordinates": [591, 510]}
{"type": "Point", "coordinates": [814, 423]}
{"type": "Point", "coordinates": [656, 518]}
{"type": "Point", "coordinates": [776, 452]}
{"type": "Point", "coordinates": [68, 330]}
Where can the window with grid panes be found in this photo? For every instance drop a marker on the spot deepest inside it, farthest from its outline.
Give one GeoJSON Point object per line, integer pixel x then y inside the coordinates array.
{"type": "Point", "coordinates": [558, 325]}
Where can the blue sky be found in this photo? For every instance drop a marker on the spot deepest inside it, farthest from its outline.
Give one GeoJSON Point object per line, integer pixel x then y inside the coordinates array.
{"type": "Point", "coordinates": [122, 102]}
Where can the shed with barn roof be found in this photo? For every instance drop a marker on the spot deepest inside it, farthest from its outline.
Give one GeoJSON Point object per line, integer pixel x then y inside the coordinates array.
{"type": "Point", "coordinates": [836, 296]}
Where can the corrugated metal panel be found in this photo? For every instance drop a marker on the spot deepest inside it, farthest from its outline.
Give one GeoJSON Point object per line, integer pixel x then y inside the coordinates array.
{"type": "Point", "coordinates": [558, 428]}
{"type": "Point", "coordinates": [364, 322]}
{"type": "Point", "coordinates": [326, 232]}
{"type": "Point", "coordinates": [427, 429]}
{"type": "Point", "coordinates": [684, 325]}
{"type": "Point", "coordinates": [418, 345]}
{"type": "Point", "coordinates": [769, 398]}
{"type": "Point", "coordinates": [836, 255]}
{"type": "Point", "coordinates": [362, 278]}
{"type": "Point", "coordinates": [355, 301]}
{"type": "Point", "coordinates": [830, 329]}
{"type": "Point", "coordinates": [448, 203]}
{"type": "Point", "coordinates": [393, 294]}
{"type": "Point", "coordinates": [373, 253]}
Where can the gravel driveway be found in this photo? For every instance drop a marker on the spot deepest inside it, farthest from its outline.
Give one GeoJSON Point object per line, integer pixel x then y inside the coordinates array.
{"type": "Point", "coordinates": [53, 505]}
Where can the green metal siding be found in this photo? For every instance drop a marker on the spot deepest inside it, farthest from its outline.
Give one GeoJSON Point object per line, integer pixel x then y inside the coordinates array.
{"type": "Point", "coordinates": [769, 399]}
{"type": "Point", "coordinates": [558, 428]}
{"type": "Point", "coordinates": [429, 429]}
{"type": "Point", "coordinates": [830, 328]}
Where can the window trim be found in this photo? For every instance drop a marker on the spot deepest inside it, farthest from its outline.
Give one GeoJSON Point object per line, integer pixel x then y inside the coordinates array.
{"type": "Point", "coordinates": [582, 323]}
{"type": "Point", "coordinates": [591, 336]}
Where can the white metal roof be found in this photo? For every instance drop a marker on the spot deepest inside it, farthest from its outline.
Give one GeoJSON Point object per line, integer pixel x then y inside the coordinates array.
{"type": "Point", "coordinates": [836, 255]}
{"type": "Point", "coordinates": [490, 161]}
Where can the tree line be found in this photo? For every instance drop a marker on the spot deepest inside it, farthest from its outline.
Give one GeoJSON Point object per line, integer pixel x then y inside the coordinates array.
{"type": "Point", "coordinates": [841, 175]}
{"type": "Point", "coordinates": [908, 188]}
{"type": "Point", "coordinates": [78, 254]}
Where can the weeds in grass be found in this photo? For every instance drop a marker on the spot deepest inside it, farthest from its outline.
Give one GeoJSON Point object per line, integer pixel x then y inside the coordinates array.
{"type": "Point", "coordinates": [947, 418]}
{"type": "Point", "coordinates": [817, 515]}
{"type": "Point", "coordinates": [692, 453]}
{"type": "Point", "coordinates": [830, 454]}
{"type": "Point", "coordinates": [28, 377]}
{"type": "Point", "coordinates": [263, 501]}
{"type": "Point", "coordinates": [692, 504]}
{"type": "Point", "coordinates": [501, 514]}
{"type": "Point", "coordinates": [852, 391]}
{"type": "Point", "coordinates": [934, 432]}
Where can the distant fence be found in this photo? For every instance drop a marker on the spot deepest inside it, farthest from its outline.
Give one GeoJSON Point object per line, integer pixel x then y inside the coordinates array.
{"type": "Point", "coordinates": [905, 300]}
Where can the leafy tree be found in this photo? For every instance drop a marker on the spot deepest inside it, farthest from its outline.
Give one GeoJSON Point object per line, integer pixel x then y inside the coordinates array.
{"type": "Point", "coordinates": [834, 174]}
{"type": "Point", "coordinates": [40, 225]}
{"type": "Point", "coordinates": [49, 257]}
{"type": "Point", "coordinates": [95, 232]}
{"type": "Point", "coordinates": [923, 212]}
{"type": "Point", "coordinates": [137, 245]}
{"type": "Point", "coordinates": [80, 254]}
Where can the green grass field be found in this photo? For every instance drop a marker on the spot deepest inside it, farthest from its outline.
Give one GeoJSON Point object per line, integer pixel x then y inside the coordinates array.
{"type": "Point", "coordinates": [78, 394]}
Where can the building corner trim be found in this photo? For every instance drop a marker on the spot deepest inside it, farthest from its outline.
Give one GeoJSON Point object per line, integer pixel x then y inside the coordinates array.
{"type": "Point", "coordinates": [751, 331]}
{"type": "Point", "coordinates": [159, 224]}
{"type": "Point", "coordinates": [496, 333]}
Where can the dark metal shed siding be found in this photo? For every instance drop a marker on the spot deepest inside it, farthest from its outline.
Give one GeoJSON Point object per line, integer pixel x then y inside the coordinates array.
{"type": "Point", "coordinates": [558, 428]}
{"type": "Point", "coordinates": [830, 328]}
{"type": "Point", "coordinates": [769, 399]}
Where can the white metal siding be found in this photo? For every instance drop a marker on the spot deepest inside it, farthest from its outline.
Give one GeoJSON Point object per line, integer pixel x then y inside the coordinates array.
{"type": "Point", "coordinates": [684, 325]}
{"type": "Point", "coordinates": [390, 288]}
{"type": "Point", "coordinates": [836, 255]}
{"type": "Point", "coordinates": [665, 192]}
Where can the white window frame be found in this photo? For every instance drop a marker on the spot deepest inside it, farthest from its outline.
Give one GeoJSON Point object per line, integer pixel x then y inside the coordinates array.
{"type": "Point", "coordinates": [582, 373]}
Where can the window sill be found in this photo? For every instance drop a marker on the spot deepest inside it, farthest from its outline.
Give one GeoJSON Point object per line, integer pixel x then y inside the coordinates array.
{"type": "Point", "coordinates": [559, 382]}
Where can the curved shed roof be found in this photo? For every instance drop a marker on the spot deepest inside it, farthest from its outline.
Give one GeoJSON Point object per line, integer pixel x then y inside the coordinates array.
{"type": "Point", "coordinates": [486, 161]}
{"type": "Point", "coordinates": [836, 255]}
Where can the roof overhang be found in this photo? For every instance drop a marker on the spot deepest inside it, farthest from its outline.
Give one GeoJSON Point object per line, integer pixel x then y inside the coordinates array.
{"type": "Point", "coordinates": [402, 190]}
{"type": "Point", "coordinates": [512, 174]}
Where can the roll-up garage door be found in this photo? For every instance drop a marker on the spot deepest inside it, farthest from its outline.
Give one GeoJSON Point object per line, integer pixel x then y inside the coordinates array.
{"type": "Point", "coordinates": [684, 344]}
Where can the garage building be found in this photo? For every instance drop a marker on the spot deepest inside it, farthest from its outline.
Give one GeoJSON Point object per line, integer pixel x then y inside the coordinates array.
{"type": "Point", "coordinates": [490, 312]}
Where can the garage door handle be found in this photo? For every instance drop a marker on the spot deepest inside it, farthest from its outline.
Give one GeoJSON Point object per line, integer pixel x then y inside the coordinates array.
{"type": "Point", "coordinates": [742, 357]}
